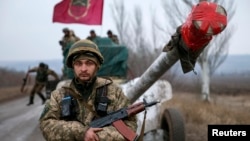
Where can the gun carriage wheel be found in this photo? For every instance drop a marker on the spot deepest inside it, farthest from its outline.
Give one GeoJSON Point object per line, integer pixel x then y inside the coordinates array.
{"type": "Point", "coordinates": [173, 125]}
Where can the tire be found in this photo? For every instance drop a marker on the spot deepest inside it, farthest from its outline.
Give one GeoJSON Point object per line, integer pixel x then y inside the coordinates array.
{"type": "Point", "coordinates": [173, 125]}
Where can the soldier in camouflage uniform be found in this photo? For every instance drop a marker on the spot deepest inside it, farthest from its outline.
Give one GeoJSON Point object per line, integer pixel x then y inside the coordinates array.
{"type": "Point", "coordinates": [42, 73]}
{"type": "Point", "coordinates": [92, 36]}
{"type": "Point", "coordinates": [85, 59]}
{"type": "Point", "coordinates": [113, 37]}
{"type": "Point", "coordinates": [68, 39]}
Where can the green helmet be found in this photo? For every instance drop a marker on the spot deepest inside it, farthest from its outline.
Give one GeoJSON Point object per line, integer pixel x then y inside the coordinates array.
{"type": "Point", "coordinates": [65, 29]}
{"type": "Point", "coordinates": [83, 46]}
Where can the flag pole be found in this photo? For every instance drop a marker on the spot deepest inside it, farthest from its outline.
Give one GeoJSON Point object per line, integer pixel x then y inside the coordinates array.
{"type": "Point", "coordinates": [101, 30]}
{"type": "Point", "coordinates": [102, 16]}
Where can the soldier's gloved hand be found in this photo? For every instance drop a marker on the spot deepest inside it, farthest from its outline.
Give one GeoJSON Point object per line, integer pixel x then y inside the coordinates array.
{"type": "Point", "coordinates": [24, 80]}
{"type": "Point", "coordinates": [90, 134]}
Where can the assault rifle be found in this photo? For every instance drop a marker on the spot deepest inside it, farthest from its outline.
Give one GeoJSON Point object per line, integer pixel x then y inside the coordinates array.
{"type": "Point", "coordinates": [115, 118]}
{"type": "Point", "coordinates": [24, 82]}
{"type": "Point", "coordinates": [121, 114]}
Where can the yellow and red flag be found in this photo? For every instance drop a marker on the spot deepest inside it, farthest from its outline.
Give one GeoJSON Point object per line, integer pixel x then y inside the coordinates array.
{"type": "Point", "coordinates": [87, 12]}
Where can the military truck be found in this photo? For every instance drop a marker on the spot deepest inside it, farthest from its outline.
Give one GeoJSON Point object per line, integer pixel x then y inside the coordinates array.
{"type": "Point", "coordinates": [167, 125]}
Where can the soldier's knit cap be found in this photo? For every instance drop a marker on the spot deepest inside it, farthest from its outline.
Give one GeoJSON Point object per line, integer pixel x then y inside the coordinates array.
{"type": "Point", "coordinates": [86, 56]}
{"type": "Point", "coordinates": [66, 29]}
{"type": "Point", "coordinates": [86, 47]}
{"type": "Point", "coordinates": [42, 65]}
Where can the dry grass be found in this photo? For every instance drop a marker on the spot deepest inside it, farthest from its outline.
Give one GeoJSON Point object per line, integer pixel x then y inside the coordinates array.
{"type": "Point", "coordinates": [10, 77]}
{"type": "Point", "coordinates": [223, 109]}
{"type": "Point", "coordinates": [10, 84]}
{"type": "Point", "coordinates": [10, 93]}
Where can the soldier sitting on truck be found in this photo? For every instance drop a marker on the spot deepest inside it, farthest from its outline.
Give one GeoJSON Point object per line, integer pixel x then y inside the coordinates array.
{"type": "Point", "coordinates": [68, 39]}
{"type": "Point", "coordinates": [113, 37]}
{"type": "Point", "coordinates": [92, 35]}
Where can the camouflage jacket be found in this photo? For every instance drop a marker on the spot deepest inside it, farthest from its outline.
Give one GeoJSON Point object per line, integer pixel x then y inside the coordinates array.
{"type": "Point", "coordinates": [42, 75]}
{"type": "Point", "coordinates": [114, 38]}
{"type": "Point", "coordinates": [53, 128]}
{"type": "Point", "coordinates": [68, 41]}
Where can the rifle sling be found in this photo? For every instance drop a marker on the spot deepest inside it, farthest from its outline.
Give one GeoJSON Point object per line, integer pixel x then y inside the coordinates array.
{"type": "Point", "coordinates": [123, 129]}
{"type": "Point", "coordinates": [140, 138]}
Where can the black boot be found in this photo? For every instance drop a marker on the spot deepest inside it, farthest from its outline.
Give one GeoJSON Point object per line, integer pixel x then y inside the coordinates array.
{"type": "Point", "coordinates": [42, 97]}
{"type": "Point", "coordinates": [31, 101]}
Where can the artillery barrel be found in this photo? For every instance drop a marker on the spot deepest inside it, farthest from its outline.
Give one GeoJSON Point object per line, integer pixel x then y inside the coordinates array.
{"type": "Point", "coordinates": [164, 62]}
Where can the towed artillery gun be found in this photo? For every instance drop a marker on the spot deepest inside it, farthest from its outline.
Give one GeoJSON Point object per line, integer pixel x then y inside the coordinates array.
{"type": "Point", "coordinates": [185, 45]}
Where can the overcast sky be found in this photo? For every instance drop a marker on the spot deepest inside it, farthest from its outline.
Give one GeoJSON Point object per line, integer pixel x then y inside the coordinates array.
{"type": "Point", "coordinates": [27, 31]}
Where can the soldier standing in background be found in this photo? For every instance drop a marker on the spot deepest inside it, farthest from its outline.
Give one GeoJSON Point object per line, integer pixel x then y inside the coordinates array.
{"type": "Point", "coordinates": [113, 37]}
{"type": "Point", "coordinates": [90, 97]}
{"type": "Point", "coordinates": [42, 73]}
{"type": "Point", "coordinates": [65, 38]}
{"type": "Point", "coordinates": [68, 39]}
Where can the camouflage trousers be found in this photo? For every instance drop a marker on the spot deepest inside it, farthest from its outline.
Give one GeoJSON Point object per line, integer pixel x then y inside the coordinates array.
{"type": "Point", "coordinates": [37, 88]}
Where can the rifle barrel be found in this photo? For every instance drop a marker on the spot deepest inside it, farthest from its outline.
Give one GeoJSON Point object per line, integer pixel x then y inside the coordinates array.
{"type": "Point", "coordinates": [151, 103]}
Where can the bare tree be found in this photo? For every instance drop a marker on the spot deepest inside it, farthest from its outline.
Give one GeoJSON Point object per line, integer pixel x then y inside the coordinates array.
{"type": "Point", "coordinates": [121, 19]}
{"type": "Point", "coordinates": [216, 52]}
{"type": "Point", "coordinates": [132, 32]}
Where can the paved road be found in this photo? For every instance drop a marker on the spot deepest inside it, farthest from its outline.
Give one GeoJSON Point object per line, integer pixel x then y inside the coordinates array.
{"type": "Point", "coordinates": [19, 122]}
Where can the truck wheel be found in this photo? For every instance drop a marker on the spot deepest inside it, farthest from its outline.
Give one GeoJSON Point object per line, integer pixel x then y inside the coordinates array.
{"type": "Point", "coordinates": [173, 125]}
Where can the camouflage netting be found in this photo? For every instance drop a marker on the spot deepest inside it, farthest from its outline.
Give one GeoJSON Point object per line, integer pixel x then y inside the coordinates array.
{"type": "Point", "coordinates": [115, 61]}
{"type": "Point", "coordinates": [115, 58]}
{"type": "Point", "coordinates": [67, 71]}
